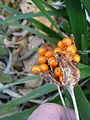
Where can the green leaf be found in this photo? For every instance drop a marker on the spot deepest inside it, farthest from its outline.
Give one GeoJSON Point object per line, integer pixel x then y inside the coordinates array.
{"type": "Point", "coordinates": [64, 24]}
{"type": "Point", "coordinates": [21, 115]}
{"type": "Point", "coordinates": [42, 9]}
{"type": "Point", "coordinates": [47, 5]}
{"type": "Point", "coordinates": [84, 47]}
{"type": "Point", "coordinates": [77, 20]}
{"type": "Point", "coordinates": [5, 78]}
{"type": "Point", "coordinates": [3, 50]}
{"type": "Point", "coordinates": [86, 4]}
{"type": "Point", "coordinates": [83, 104]}
{"type": "Point", "coordinates": [21, 16]}
{"type": "Point", "coordinates": [30, 29]}
{"type": "Point", "coordinates": [84, 73]}
{"type": "Point", "coordinates": [17, 82]}
{"type": "Point", "coordinates": [87, 90]}
{"type": "Point", "coordinates": [9, 9]}
{"type": "Point", "coordinates": [44, 28]}
{"type": "Point", "coordinates": [31, 15]}
{"type": "Point", "coordinates": [81, 66]}
{"type": "Point", "coordinates": [40, 91]}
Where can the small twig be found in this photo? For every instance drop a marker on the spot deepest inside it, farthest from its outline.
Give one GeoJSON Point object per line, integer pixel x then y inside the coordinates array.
{"type": "Point", "coordinates": [71, 91]}
{"type": "Point", "coordinates": [63, 102]}
{"type": "Point", "coordinates": [72, 38]}
{"type": "Point", "coordinates": [84, 52]}
{"type": "Point", "coordinates": [44, 44]}
{"type": "Point", "coordinates": [10, 92]}
{"type": "Point", "coordinates": [84, 82]}
{"type": "Point", "coordinates": [9, 63]}
{"type": "Point", "coordinates": [24, 33]}
{"type": "Point", "coordinates": [2, 68]}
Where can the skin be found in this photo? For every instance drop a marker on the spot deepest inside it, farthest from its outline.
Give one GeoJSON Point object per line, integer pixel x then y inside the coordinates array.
{"type": "Point", "coordinates": [51, 111]}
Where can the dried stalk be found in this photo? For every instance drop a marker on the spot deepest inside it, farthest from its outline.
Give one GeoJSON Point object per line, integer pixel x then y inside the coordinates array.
{"type": "Point", "coordinates": [7, 70]}
{"type": "Point", "coordinates": [67, 114]}
{"type": "Point", "coordinates": [71, 91]}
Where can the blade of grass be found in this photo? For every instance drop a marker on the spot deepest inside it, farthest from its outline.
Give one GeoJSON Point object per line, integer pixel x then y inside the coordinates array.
{"type": "Point", "coordinates": [21, 115]}
{"type": "Point", "coordinates": [86, 4]}
{"type": "Point", "coordinates": [40, 91]}
{"type": "Point", "coordinates": [20, 81]}
{"type": "Point", "coordinates": [21, 16]}
{"type": "Point", "coordinates": [31, 15]}
{"type": "Point", "coordinates": [84, 47]}
{"type": "Point", "coordinates": [82, 103]}
{"type": "Point", "coordinates": [44, 28]}
{"type": "Point", "coordinates": [9, 9]}
{"type": "Point", "coordinates": [47, 5]}
{"type": "Point", "coordinates": [87, 90]}
{"type": "Point", "coordinates": [81, 66]}
{"type": "Point", "coordinates": [42, 9]}
{"type": "Point", "coordinates": [64, 24]}
{"type": "Point", "coordinates": [77, 20]}
{"type": "Point", "coordinates": [84, 73]}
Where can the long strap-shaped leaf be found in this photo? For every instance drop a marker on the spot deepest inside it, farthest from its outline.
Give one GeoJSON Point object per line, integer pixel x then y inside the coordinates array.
{"type": "Point", "coordinates": [42, 9]}
{"type": "Point", "coordinates": [86, 3]}
{"type": "Point", "coordinates": [9, 9]}
{"type": "Point", "coordinates": [44, 28]}
{"type": "Point", "coordinates": [82, 103]}
{"type": "Point", "coordinates": [84, 47]}
{"type": "Point", "coordinates": [40, 91]}
{"type": "Point", "coordinates": [77, 20]}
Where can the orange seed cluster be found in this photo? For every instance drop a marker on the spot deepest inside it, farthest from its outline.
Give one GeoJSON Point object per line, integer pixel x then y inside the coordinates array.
{"type": "Point", "coordinates": [48, 61]}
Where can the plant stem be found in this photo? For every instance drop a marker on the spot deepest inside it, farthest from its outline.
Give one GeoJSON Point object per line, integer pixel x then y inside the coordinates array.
{"type": "Point", "coordinates": [67, 114]}
{"type": "Point", "coordinates": [71, 91]}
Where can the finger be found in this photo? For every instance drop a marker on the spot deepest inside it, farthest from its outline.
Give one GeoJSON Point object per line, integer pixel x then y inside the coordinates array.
{"type": "Point", "coordinates": [51, 111]}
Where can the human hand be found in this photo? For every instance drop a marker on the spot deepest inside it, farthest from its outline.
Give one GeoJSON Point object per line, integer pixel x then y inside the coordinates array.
{"type": "Point", "coordinates": [51, 111]}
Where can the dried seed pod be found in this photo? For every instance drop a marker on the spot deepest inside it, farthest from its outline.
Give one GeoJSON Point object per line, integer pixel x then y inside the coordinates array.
{"type": "Point", "coordinates": [71, 75]}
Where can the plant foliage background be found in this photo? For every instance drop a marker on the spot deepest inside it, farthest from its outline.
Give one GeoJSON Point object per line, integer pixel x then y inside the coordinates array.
{"type": "Point", "coordinates": [73, 16]}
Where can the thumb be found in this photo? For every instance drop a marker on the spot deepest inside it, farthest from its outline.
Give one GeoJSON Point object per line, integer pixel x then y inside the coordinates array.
{"type": "Point", "coordinates": [51, 111]}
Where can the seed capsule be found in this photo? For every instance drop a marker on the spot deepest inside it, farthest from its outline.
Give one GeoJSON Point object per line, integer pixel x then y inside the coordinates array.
{"type": "Point", "coordinates": [49, 54]}
{"type": "Point", "coordinates": [42, 59]}
{"type": "Point", "coordinates": [57, 71]}
{"type": "Point", "coordinates": [57, 50]}
{"type": "Point", "coordinates": [67, 41]}
{"type": "Point", "coordinates": [76, 58]}
{"type": "Point", "coordinates": [36, 68]}
{"type": "Point", "coordinates": [44, 67]}
{"type": "Point", "coordinates": [20, 38]}
{"type": "Point", "coordinates": [72, 49]}
{"type": "Point", "coordinates": [60, 44]}
{"type": "Point", "coordinates": [53, 62]}
{"type": "Point", "coordinates": [42, 51]}
{"type": "Point", "coordinates": [60, 79]}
